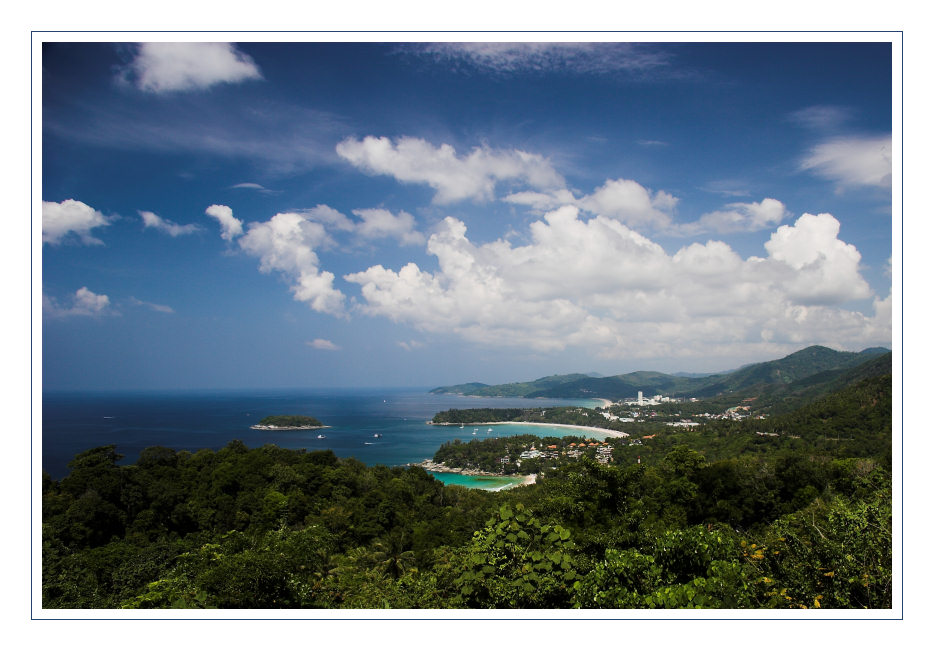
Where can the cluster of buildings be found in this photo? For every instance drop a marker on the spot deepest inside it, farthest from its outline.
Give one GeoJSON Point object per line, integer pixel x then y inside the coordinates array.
{"type": "Point", "coordinates": [683, 423]}
{"type": "Point", "coordinates": [603, 452]}
{"type": "Point", "coordinates": [654, 400]}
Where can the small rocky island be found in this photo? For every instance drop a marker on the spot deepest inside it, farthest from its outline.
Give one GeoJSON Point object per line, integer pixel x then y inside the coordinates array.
{"type": "Point", "coordinates": [289, 422]}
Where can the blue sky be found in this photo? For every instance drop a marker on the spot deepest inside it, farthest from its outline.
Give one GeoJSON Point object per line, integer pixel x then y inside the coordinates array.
{"type": "Point", "coordinates": [324, 214]}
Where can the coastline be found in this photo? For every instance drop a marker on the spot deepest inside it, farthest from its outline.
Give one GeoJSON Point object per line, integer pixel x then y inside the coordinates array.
{"type": "Point", "coordinates": [431, 466]}
{"type": "Point", "coordinates": [606, 403]}
{"type": "Point", "coordinates": [612, 433]}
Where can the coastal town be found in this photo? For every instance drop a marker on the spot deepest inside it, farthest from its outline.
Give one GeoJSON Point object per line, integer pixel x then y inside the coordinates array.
{"type": "Point", "coordinates": [622, 428]}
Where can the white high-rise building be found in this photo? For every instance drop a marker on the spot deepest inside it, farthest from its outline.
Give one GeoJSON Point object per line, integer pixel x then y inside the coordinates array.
{"type": "Point", "coordinates": [640, 397]}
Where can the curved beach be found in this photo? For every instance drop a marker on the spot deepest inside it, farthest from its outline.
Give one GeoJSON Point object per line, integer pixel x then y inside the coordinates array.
{"type": "Point", "coordinates": [612, 433]}
{"type": "Point", "coordinates": [434, 467]}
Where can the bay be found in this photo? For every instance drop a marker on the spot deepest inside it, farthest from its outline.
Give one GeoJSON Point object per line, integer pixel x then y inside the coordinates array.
{"type": "Point", "coordinates": [76, 421]}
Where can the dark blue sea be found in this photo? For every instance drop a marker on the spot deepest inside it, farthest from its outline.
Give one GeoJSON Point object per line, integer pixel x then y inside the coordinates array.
{"type": "Point", "coordinates": [74, 422]}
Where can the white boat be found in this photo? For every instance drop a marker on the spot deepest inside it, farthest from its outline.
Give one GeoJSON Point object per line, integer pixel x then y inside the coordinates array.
{"type": "Point", "coordinates": [377, 436]}
{"type": "Point", "coordinates": [321, 436]}
{"type": "Point", "coordinates": [489, 429]}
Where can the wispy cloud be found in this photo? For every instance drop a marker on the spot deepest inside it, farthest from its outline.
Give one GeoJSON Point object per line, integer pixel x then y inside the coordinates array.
{"type": "Point", "coordinates": [280, 138]}
{"type": "Point", "coordinates": [152, 220]}
{"type": "Point", "coordinates": [155, 307]}
{"type": "Point", "coordinates": [739, 218]}
{"type": "Point", "coordinates": [516, 58]}
{"type": "Point", "coordinates": [176, 67]}
{"type": "Point", "coordinates": [253, 186]}
{"type": "Point", "coordinates": [455, 178]}
{"type": "Point", "coordinates": [853, 162]}
{"type": "Point", "coordinates": [726, 188]}
{"type": "Point", "coordinates": [822, 118]}
{"type": "Point", "coordinates": [322, 344]}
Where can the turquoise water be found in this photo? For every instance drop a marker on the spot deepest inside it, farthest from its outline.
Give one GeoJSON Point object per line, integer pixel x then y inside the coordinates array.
{"type": "Point", "coordinates": [526, 428]}
{"type": "Point", "coordinates": [478, 481]}
{"type": "Point", "coordinates": [74, 422]}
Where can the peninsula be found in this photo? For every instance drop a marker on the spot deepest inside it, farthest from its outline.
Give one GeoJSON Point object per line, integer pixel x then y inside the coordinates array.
{"type": "Point", "coordinates": [288, 423]}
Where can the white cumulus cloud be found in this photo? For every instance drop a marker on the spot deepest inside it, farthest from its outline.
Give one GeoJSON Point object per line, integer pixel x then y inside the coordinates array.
{"type": "Point", "coordinates": [625, 200]}
{"type": "Point", "coordinates": [599, 285]}
{"type": "Point", "coordinates": [83, 302]}
{"type": "Point", "coordinates": [853, 162]}
{"type": "Point", "coordinates": [454, 178]}
{"type": "Point", "coordinates": [170, 67]}
{"type": "Point", "coordinates": [152, 220]}
{"type": "Point", "coordinates": [631, 203]}
{"type": "Point", "coordinates": [70, 216]}
{"type": "Point", "coordinates": [286, 243]}
{"type": "Point", "coordinates": [329, 216]}
{"type": "Point", "coordinates": [377, 223]}
{"type": "Point", "coordinates": [826, 270]}
{"type": "Point", "coordinates": [231, 227]}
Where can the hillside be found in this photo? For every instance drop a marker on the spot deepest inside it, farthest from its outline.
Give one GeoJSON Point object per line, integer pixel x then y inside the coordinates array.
{"type": "Point", "coordinates": [514, 389]}
{"type": "Point", "coordinates": [762, 377]}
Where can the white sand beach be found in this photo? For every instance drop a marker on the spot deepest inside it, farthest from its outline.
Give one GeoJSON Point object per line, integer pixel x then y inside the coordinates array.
{"type": "Point", "coordinates": [609, 433]}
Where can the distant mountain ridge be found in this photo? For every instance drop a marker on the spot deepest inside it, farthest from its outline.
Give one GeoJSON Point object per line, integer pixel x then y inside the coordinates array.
{"type": "Point", "coordinates": [821, 364]}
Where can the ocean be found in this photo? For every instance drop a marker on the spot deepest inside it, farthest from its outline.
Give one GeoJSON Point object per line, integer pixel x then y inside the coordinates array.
{"type": "Point", "coordinates": [73, 422]}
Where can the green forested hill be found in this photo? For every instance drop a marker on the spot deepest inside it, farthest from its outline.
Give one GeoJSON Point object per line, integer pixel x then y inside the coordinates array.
{"type": "Point", "coordinates": [512, 390]}
{"type": "Point", "coordinates": [778, 399]}
{"type": "Point", "coordinates": [755, 377]}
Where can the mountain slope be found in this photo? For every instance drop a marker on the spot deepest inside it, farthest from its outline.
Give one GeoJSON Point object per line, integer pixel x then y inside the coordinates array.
{"type": "Point", "coordinates": [514, 389]}
{"type": "Point", "coordinates": [762, 377]}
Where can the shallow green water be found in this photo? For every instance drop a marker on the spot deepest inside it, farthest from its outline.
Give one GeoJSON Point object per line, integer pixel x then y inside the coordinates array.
{"type": "Point", "coordinates": [477, 481]}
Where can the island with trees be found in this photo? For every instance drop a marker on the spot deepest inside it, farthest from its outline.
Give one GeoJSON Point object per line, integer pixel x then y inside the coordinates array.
{"type": "Point", "coordinates": [289, 422]}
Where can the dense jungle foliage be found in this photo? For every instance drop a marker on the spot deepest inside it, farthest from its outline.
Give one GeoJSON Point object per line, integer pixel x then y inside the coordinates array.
{"type": "Point", "coordinates": [716, 518]}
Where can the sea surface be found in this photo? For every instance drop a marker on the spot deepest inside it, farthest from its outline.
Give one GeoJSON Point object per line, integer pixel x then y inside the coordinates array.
{"type": "Point", "coordinates": [73, 422]}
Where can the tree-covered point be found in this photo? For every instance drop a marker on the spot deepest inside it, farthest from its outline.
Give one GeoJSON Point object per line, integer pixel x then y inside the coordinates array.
{"type": "Point", "coordinates": [290, 421]}
{"type": "Point", "coordinates": [480, 415]}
